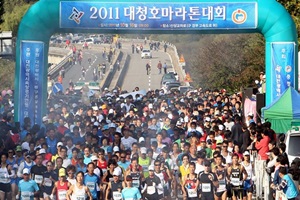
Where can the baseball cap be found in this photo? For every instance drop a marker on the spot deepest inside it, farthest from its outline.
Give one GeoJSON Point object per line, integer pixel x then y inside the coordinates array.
{"type": "Point", "coordinates": [59, 144]}
{"type": "Point", "coordinates": [26, 171]}
{"type": "Point", "coordinates": [207, 119]}
{"type": "Point", "coordinates": [117, 173]}
{"type": "Point", "coordinates": [202, 139]}
{"type": "Point", "coordinates": [62, 172]}
{"type": "Point", "coordinates": [151, 168]}
{"type": "Point", "coordinates": [116, 149]}
{"type": "Point", "coordinates": [42, 151]}
{"type": "Point", "coordinates": [142, 139]}
{"type": "Point", "coordinates": [221, 127]}
{"type": "Point", "coordinates": [250, 114]}
{"type": "Point", "coordinates": [105, 127]}
{"type": "Point", "coordinates": [18, 148]}
{"type": "Point", "coordinates": [45, 118]}
{"type": "Point", "coordinates": [246, 153]}
{"type": "Point", "coordinates": [143, 150]}
{"type": "Point", "coordinates": [93, 158]}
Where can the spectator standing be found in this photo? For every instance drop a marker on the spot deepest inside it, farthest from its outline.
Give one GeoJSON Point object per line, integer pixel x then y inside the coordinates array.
{"type": "Point", "coordinates": [165, 68]}
{"type": "Point", "coordinates": [159, 67]}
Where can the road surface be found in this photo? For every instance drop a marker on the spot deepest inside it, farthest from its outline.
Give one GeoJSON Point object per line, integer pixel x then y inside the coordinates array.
{"type": "Point", "coordinates": [136, 74]}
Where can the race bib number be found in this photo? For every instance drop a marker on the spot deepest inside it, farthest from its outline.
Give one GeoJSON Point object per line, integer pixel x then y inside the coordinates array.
{"type": "Point", "coordinates": [192, 193]}
{"type": "Point", "coordinates": [235, 181]}
{"type": "Point", "coordinates": [62, 194]}
{"type": "Point", "coordinates": [26, 195]}
{"type": "Point", "coordinates": [3, 178]}
{"type": "Point", "coordinates": [91, 186]}
{"type": "Point", "coordinates": [47, 182]}
{"type": "Point", "coordinates": [206, 187]}
{"type": "Point", "coordinates": [151, 190]}
{"type": "Point", "coordinates": [136, 183]}
{"type": "Point", "coordinates": [222, 185]}
{"type": "Point", "coordinates": [38, 179]}
{"type": "Point", "coordinates": [145, 168]}
{"type": "Point", "coordinates": [117, 195]}
{"type": "Point", "coordinates": [80, 197]}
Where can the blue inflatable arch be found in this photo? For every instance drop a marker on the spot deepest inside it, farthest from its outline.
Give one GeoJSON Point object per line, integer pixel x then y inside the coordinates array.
{"type": "Point", "coordinates": [47, 17]}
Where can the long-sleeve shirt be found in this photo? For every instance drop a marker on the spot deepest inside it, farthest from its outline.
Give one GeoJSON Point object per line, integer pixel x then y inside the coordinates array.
{"type": "Point", "coordinates": [263, 147]}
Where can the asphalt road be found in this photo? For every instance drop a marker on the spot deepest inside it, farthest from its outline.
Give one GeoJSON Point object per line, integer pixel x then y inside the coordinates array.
{"type": "Point", "coordinates": [75, 72]}
{"type": "Point", "coordinates": [136, 74]}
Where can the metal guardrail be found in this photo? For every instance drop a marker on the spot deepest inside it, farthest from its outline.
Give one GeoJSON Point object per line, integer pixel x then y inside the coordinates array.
{"type": "Point", "coordinates": [177, 60]}
{"type": "Point", "coordinates": [54, 69]}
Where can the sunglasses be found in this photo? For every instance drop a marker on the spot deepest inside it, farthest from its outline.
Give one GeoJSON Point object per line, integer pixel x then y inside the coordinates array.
{"type": "Point", "coordinates": [10, 152]}
{"type": "Point", "coordinates": [157, 164]}
{"type": "Point", "coordinates": [122, 157]}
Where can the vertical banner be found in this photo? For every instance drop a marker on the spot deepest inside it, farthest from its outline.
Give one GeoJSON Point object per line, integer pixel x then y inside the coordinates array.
{"type": "Point", "coordinates": [31, 81]}
{"type": "Point", "coordinates": [283, 67]}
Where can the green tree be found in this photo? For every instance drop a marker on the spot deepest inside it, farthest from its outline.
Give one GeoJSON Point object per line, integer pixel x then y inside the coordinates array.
{"type": "Point", "coordinates": [13, 18]}
{"type": "Point", "coordinates": [293, 7]}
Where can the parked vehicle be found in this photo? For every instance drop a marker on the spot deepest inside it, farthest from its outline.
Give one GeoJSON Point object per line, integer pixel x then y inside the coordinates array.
{"type": "Point", "coordinates": [175, 74]}
{"type": "Point", "coordinates": [292, 139]}
{"type": "Point", "coordinates": [167, 79]}
{"type": "Point", "coordinates": [146, 53]}
{"type": "Point", "coordinates": [89, 40]}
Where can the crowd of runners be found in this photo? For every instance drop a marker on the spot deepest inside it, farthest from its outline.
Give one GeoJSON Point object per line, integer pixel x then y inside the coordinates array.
{"type": "Point", "coordinates": [197, 145]}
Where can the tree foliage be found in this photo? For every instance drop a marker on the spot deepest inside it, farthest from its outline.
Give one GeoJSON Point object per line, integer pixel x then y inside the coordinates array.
{"type": "Point", "coordinates": [7, 71]}
{"type": "Point", "coordinates": [226, 61]}
{"type": "Point", "coordinates": [293, 7]}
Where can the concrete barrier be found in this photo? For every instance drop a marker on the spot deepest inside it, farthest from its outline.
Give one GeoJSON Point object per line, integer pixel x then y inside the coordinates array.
{"type": "Point", "coordinates": [110, 73]}
{"type": "Point", "coordinates": [123, 72]}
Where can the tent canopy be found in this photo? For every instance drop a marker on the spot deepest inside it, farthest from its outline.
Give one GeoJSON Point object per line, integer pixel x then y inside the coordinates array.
{"type": "Point", "coordinates": [283, 111]}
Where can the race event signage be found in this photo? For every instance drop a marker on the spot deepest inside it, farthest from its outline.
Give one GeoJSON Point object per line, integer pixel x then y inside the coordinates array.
{"type": "Point", "coordinates": [31, 81]}
{"type": "Point", "coordinates": [283, 67]}
{"type": "Point", "coordinates": [158, 15]}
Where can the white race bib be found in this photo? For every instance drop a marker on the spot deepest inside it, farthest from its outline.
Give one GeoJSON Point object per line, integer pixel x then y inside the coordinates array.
{"type": "Point", "coordinates": [26, 195]}
{"type": "Point", "coordinates": [62, 194]}
{"type": "Point", "coordinates": [235, 181]}
{"type": "Point", "coordinates": [47, 182]}
{"type": "Point", "coordinates": [151, 190]}
{"type": "Point", "coordinates": [80, 197]}
{"type": "Point", "coordinates": [38, 179]}
{"type": "Point", "coordinates": [206, 187]}
{"type": "Point", "coordinates": [91, 186]}
{"type": "Point", "coordinates": [145, 168]}
{"type": "Point", "coordinates": [222, 185]}
{"type": "Point", "coordinates": [117, 195]}
{"type": "Point", "coordinates": [136, 183]}
{"type": "Point", "coordinates": [192, 193]}
{"type": "Point", "coordinates": [3, 178]}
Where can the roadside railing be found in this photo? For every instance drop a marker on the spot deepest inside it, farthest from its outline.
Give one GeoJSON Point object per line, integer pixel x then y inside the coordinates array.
{"type": "Point", "coordinates": [55, 68]}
